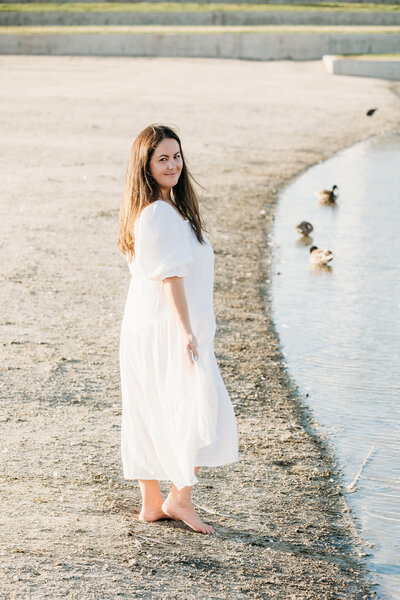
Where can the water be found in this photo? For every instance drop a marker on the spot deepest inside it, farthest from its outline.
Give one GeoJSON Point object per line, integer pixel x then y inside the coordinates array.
{"type": "Point", "coordinates": [339, 328]}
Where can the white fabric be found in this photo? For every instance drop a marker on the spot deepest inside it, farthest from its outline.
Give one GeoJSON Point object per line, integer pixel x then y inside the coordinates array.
{"type": "Point", "coordinates": [175, 416]}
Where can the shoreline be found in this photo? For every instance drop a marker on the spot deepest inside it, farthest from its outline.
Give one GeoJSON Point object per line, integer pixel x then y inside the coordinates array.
{"type": "Point", "coordinates": [352, 447]}
{"type": "Point", "coordinates": [282, 526]}
{"type": "Point", "coordinates": [345, 532]}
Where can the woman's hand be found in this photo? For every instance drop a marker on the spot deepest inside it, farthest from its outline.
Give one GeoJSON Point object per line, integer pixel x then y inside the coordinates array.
{"type": "Point", "coordinates": [190, 347]}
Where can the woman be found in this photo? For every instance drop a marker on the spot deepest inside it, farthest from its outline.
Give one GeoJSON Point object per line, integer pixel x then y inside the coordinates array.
{"type": "Point", "coordinates": [176, 413]}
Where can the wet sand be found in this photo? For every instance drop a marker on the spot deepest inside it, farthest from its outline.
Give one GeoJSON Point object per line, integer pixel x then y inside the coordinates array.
{"type": "Point", "coordinates": [69, 526]}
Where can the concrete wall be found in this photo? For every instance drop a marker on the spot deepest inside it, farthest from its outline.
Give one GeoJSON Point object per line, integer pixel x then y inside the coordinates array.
{"type": "Point", "coordinates": [239, 18]}
{"type": "Point", "coordinates": [251, 46]}
{"type": "Point", "coordinates": [384, 69]}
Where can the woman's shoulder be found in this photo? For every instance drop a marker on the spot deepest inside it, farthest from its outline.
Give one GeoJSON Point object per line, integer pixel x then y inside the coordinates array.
{"type": "Point", "coordinates": [160, 209]}
{"type": "Point", "coordinates": [158, 218]}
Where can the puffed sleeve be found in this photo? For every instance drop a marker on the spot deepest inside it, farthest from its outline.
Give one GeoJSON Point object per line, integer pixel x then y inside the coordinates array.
{"type": "Point", "coordinates": [162, 246]}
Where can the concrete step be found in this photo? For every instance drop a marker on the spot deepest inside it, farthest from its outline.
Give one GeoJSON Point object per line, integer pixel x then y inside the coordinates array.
{"type": "Point", "coordinates": [250, 43]}
{"type": "Point", "coordinates": [199, 18]}
{"type": "Point", "coordinates": [366, 65]}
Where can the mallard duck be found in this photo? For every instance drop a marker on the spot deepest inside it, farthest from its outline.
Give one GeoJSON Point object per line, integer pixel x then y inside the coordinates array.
{"type": "Point", "coordinates": [305, 228]}
{"type": "Point", "coordinates": [319, 256]}
{"type": "Point", "coordinates": [328, 196]}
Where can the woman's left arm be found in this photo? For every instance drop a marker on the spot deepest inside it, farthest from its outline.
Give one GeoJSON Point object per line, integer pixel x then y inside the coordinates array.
{"type": "Point", "coordinates": [176, 297]}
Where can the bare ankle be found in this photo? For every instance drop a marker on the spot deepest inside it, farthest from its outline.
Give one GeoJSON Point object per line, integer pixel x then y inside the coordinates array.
{"type": "Point", "coordinates": [179, 499]}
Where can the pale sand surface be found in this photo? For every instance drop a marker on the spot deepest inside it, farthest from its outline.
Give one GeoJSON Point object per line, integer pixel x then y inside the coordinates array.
{"type": "Point", "coordinates": [68, 524]}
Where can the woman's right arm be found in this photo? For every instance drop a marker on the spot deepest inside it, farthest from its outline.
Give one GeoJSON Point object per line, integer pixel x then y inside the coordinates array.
{"type": "Point", "coordinates": [176, 297]}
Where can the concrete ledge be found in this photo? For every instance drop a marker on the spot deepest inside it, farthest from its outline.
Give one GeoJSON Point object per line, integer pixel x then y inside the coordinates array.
{"type": "Point", "coordinates": [363, 67]}
{"type": "Point", "coordinates": [239, 18]}
{"type": "Point", "coordinates": [209, 43]}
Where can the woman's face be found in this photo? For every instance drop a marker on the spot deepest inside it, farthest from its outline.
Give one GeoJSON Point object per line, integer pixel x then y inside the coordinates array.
{"type": "Point", "coordinates": [166, 164]}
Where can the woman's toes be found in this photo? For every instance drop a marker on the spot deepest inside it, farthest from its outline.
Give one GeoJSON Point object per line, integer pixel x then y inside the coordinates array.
{"type": "Point", "coordinates": [188, 515]}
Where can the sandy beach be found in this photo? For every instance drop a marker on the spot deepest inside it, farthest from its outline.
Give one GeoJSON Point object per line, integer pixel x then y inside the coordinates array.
{"type": "Point", "coordinates": [69, 528]}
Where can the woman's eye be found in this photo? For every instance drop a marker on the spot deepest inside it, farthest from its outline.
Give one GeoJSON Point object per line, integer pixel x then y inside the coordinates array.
{"type": "Point", "coordinates": [177, 156]}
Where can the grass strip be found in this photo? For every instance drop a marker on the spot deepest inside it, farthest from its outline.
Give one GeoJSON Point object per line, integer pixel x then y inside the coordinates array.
{"type": "Point", "coordinates": [388, 57]}
{"type": "Point", "coordinates": [205, 30]}
{"type": "Point", "coordinates": [195, 7]}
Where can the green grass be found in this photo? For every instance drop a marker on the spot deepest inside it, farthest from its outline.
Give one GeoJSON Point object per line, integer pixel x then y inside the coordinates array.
{"type": "Point", "coordinates": [184, 29]}
{"type": "Point", "coordinates": [371, 56]}
{"type": "Point", "coordinates": [194, 7]}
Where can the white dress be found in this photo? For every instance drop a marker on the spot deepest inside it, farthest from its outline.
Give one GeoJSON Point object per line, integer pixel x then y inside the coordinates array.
{"type": "Point", "coordinates": [175, 416]}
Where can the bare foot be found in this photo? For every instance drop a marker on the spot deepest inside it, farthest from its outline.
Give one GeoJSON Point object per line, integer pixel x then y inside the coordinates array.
{"type": "Point", "coordinates": [187, 514]}
{"type": "Point", "coordinates": [153, 515]}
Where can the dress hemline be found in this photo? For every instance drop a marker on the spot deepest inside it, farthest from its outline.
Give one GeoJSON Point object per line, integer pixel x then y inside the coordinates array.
{"type": "Point", "coordinates": [165, 478]}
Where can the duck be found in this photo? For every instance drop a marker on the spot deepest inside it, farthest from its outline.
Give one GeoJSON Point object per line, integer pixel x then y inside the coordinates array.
{"type": "Point", "coordinates": [305, 228]}
{"type": "Point", "coordinates": [320, 256]}
{"type": "Point", "coordinates": [328, 196]}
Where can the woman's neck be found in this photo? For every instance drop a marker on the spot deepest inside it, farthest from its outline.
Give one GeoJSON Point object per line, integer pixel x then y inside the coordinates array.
{"type": "Point", "coordinates": [166, 195]}
{"type": "Point", "coordinates": [167, 199]}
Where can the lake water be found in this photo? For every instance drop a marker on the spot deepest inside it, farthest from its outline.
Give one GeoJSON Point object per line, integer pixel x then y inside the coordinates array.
{"type": "Point", "coordinates": [339, 329]}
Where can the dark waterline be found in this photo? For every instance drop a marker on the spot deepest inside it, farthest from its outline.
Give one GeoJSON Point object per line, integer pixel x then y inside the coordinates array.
{"type": "Point", "coordinates": [339, 328]}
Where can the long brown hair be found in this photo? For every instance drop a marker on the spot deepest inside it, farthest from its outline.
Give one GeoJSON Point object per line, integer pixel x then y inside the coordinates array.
{"type": "Point", "coordinates": [141, 189]}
